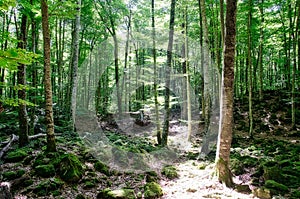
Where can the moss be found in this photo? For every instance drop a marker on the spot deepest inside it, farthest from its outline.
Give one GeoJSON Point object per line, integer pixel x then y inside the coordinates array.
{"type": "Point", "coordinates": [16, 156]}
{"type": "Point", "coordinates": [47, 186]}
{"type": "Point", "coordinates": [275, 187]}
{"type": "Point", "coordinates": [295, 194]}
{"type": "Point", "coordinates": [101, 167]}
{"type": "Point", "coordinates": [169, 171]}
{"type": "Point", "coordinates": [223, 172]}
{"type": "Point", "coordinates": [45, 170]}
{"type": "Point", "coordinates": [151, 176]}
{"type": "Point", "coordinates": [152, 190]}
{"type": "Point", "coordinates": [11, 175]}
{"type": "Point", "coordinates": [89, 184]}
{"type": "Point", "coordinates": [236, 166]}
{"type": "Point", "coordinates": [80, 196]}
{"type": "Point", "coordinates": [70, 168]}
{"type": "Point", "coordinates": [56, 193]}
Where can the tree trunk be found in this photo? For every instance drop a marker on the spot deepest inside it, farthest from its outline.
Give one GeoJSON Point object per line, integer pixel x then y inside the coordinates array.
{"type": "Point", "coordinates": [260, 62]}
{"type": "Point", "coordinates": [168, 69]}
{"type": "Point", "coordinates": [250, 73]}
{"type": "Point", "coordinates": [158, 127]}
{"type": "Point", "coordinates": [226, 109]}
{"type": "Point", "coordinates": [51, 145]}
{"type": "Point", "coordinates": [75, 55]}
{"type": "Point", "coordinates": [21, 75]}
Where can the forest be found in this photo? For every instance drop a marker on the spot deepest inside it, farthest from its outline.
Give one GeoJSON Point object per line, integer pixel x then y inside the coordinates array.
{"type": "Point", "coordinates": [126, 99]}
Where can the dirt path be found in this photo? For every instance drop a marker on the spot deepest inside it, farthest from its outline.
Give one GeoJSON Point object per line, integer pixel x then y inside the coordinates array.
{"type": "Point", "coordinates": [194, 183]}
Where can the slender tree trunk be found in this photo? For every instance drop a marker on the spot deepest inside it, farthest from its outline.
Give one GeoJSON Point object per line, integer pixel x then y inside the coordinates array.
{"type": "Point", "coordinates": [23, 120]}
{"type": "Point", "coordinates": [261, 9]}
{"type": "Point", "coordinates": [168, 69]}
{"type": "Point", "coordinates": [226, 109]}
{"type": "Point", "coordinates": [250, 84]}
{"type": "Point", "coordinates": [206, 110]}
{"type": "Point", "coordinates": [158, 127]}
{"type": "Point", "coordinates": [51, 145]}
{"type": "Point", "coordinates": [75, 57]}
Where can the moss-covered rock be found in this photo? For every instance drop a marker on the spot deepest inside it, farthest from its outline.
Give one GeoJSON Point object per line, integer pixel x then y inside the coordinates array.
{"type": "Point", "coordinates": [80, 196]}
{"type": "Point", "coordinates": [11, 175]}
{"type": "Point", "coordinates": [46, 187]}
{"type": "Point", "coordinates": [275, 187]}
{"type": "Point", "coordinates": [45, 170]}
{"type": "Point", "coordinates": [151, 177]}
{"type": "Point", "coordinates": [272, 173]}
{"type": "Point", "coordinates": [116, 194]}
{"type": "Point", "coordinates": [16, 156]}
{"type": "Point", "coordinates": [101, 167]}
{"type": "Point", "coordinates": [70, 168]}
{"type": "Point", "coordinates": [152, 190]}
{"type": "Point", "coordinates": [169, 171]}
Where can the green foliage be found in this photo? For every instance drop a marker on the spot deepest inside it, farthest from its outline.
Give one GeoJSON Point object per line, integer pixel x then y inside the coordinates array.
{"type": "Point", "coordinates": [11, 58]}
{"type": "Point", "coordinates": [5, 4]}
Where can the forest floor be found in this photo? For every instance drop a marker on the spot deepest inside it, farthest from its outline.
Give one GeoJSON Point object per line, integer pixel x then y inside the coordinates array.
{"type": "Point", "coordinates": [265, 166]}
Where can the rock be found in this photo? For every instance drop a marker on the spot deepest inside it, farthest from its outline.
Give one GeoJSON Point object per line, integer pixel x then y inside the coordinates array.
{"type": "Point", "coordinates": [116, 194]}
{"type": "Point", "coordinates": [262, 193]}
{"type": "Point", "coordinates": [151, 176]}
{"type": "Point", "coordinates": [47, 186]}
{"type": "Point", "coordinates": [5, 191]}
{"type": "Point", "coordinates": [169, 171]}
{"type": "Point", "coordinates": [243, 189]}
{"type": "Point", "coordinates": [70, 168]}
{"type": "Point", "coordinates": [152, 190]}
{"type": "Point", "coordinates": [45, 170]}
{"type": "Point", "coordinates": [101, 167]}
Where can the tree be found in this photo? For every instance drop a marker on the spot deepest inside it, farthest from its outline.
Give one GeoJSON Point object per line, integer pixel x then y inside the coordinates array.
{"type": "Point", "coordinates": [164, 140]}
{"type": "Point", "coordinates": [23, 121]}
{"type": "Point", "coordinates": [51, 144]}
{"type": "Point", "coordinates": [250, 72]}
{"type": "Point", "coordinates": [226, 111]}
{"type": "Point", "coordinates": [74, 64]}
{"type": "Point", "coordinates": [158, 130]}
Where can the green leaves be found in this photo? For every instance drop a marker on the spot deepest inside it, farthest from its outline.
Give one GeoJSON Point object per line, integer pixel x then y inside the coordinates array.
{"type": "Point", "coordinates": [11, 58]}
{"type": "Point", "coordinates": [5, 4]}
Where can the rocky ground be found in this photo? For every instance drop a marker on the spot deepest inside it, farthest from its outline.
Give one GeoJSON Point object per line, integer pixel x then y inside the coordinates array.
{"type": "Point", "coordinates": [114, 164]}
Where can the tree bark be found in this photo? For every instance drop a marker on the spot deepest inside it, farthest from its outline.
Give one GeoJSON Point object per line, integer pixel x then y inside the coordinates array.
{"type": "Point", "coordinates": [250, 72]}
{"type": "Point", "coordinates": [75, 57]}
{"type": "Point", "coordinates": [21, 75]}
{"type": "Point", "coordinates": [226, 110]}
{"type": "Point", "coordinates": [168, 69]}
{"type": "Point", "coordinates": [51, 144]}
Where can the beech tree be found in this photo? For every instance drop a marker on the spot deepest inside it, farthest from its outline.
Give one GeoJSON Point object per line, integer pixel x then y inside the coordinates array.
{"type": "Point", "coordinates": [51, 144]}
{"type": "Point", "coordinates": [226, 112]}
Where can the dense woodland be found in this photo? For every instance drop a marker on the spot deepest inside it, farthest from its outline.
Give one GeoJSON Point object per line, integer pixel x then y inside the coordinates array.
{"type": "Point", "coordinates": [149, 99]}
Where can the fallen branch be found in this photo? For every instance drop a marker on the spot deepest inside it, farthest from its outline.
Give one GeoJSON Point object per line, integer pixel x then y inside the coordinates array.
{"type": "Point", "coordinates": [13, 138]}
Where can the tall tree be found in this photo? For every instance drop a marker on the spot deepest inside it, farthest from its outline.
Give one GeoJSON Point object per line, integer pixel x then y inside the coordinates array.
{"type": "Point", "coordinates": [250, 72]}
{"type": "Point", "coordinates": [21, 75]}
{"type": "Point", "coordinates": [75, 56]}
{"type": "Point", "coordinates": [158, 130]}
{"type": "Point", "coordinates": [226, 110]}
{"type": "Point", "coordinates": [168, 69]}
{"type": "Point", "coordinates": [51, 144]}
